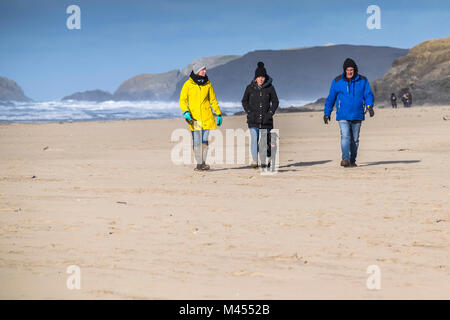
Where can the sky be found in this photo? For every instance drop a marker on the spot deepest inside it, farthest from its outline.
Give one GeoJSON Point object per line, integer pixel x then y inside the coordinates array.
{"type": "Point", "coordinates": [123, 38]}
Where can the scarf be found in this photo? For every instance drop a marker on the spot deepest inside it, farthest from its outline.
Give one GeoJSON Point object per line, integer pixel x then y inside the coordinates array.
{"type": "Point", "coordinates": [201, 81]}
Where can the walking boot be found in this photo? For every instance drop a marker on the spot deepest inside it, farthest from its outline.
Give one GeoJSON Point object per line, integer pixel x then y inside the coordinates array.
{"type": "Point", "coordinates": [198, 157]}
{"type": "Point", "coordinates": [345, 163]}
{"type": "Point", "coordinates": [204, 153]}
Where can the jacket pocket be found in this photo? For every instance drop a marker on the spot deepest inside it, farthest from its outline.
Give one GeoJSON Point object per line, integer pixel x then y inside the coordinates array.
{"type": "Point", "coordinates": [268, 119]}
{"type": "Point", "coordinates": [251, 117]}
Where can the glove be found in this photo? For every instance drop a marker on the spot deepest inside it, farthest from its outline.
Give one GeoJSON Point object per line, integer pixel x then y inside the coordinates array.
{"type": "Point", "coordinates": [188, 117]}
{"type": "Point", "coordinates": [219, 120]}
{"type": "Point", "coordinates": [326, 119]}
{"type": "Point", "coordinates": [371, 112]}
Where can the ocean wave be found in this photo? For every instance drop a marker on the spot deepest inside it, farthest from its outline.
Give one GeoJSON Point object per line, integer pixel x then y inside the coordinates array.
{"type": "Point", "coordinates": [70, 110]}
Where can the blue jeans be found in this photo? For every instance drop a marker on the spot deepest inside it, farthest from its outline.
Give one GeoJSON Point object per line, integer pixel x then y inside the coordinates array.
{"type": "Point", "coordinates": [255, 143]}
{"type": "Point", "coordinates": [349, 138]}
{"type": "Point", "coordinates": [200, 145]}
{"type": "Point", "coordinates": [200, 137]}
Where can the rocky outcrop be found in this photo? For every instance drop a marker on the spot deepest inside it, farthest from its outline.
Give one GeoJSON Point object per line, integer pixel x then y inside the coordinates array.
{"type": "Point", "coordinates": [300, 73]}
{"type": "Point", "coordinates": [425, 71]}
{"type": "Point", "coordinates": [210, 62]}
{"type": "Point", "coordinates": [317, 105]}
{"type": "Point", "coordinates": [11, 91]}
{"type": "Point", "coordinates": [91, 95]}
{"type": "Point", "coordinates": [304, 73]}
{"type": "Point", "coordinates": [161, 86]}
{"type": "Point", "coordinates": [158, 86]}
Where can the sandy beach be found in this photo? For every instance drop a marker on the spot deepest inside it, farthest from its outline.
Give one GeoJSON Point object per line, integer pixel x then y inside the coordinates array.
{"type": "Point", "coordinates": [105, 196]}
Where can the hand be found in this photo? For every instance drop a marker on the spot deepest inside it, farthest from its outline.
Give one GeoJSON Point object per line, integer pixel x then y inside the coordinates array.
{"type": "Point", "coordinates": [371, 112]}
{"type": "Point", "coordinates": [326, 119]}
{"type": "Point", "coordinates": [219, 120]}
{"type": "Point", "coordinates": [267, 117]}
{"type": "Point", "coordinates": [188, 117]}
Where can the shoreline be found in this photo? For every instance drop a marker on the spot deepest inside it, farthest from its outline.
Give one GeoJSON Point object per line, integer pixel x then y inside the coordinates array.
{"type": "Point", "coordinates": [286, 110]}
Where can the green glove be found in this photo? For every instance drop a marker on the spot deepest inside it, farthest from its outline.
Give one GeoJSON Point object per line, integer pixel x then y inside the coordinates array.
{"type": "Point", "coordinates": [219, 120]}
{"type": "Point", "coordinates": [188, 117]}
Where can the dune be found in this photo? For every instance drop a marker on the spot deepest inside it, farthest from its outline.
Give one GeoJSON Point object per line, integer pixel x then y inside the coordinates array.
{"type": "Point", "coordinates": [105, 196]}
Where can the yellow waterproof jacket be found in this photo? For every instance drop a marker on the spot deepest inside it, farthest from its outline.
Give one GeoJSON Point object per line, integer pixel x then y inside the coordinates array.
{"type": "Point", "coordinates": [198, 100]}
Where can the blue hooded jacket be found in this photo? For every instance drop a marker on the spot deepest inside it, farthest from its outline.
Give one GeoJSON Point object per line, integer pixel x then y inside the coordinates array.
{"type": "Point", "coordinates": [351, 97]}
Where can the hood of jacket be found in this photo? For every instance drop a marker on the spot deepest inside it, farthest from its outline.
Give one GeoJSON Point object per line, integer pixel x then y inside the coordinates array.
{"type": "Point", "coordinates": [350, 63]}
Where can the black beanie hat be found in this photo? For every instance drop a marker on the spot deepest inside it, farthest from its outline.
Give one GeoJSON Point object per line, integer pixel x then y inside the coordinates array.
{"type": "Point", "coordinates": [260, 71]}
{"type": "Point", "coordinates": [350, 63]}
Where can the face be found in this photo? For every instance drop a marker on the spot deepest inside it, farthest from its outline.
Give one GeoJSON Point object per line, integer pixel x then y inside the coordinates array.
{"type": "Point", "coordinates": [260, 80]}
{"type": "Point", "coordinates": [349, 72]}
{"type": "Point", "coordinates": [202, 73]}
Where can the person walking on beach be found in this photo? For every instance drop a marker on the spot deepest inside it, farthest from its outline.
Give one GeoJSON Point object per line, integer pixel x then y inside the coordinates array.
{"type": "Point", "coordinates": [260, 102]}
{"type": "Point", "coordinates": [196, 99]}
{"type": "Point", "coordinates": [352, 95]}
{"type": "Point", "coordinates": [394, 100]}
{"type": "Point", "coordinates": [404, 99]}
{"type": "Point", "coordinates": [409, 99]}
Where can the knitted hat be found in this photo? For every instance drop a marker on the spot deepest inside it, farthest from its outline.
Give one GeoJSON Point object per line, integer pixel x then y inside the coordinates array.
{"type": "Point", "coordinates": [260, 71]}
{"type": "Point", "coordinates": [197, 67]}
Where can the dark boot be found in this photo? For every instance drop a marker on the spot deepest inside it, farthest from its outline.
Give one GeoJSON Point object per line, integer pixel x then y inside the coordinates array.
{"type": "Point", "coordinates": [198, 157]}
{"type": "Point", "coordinates": [265, 165]}
{"type": "Point", "coordinates": [345, 163]}
{"type": "Point", "coordinates": [202, 167]}
{"type": "Point", "coordinates": [204, 154]}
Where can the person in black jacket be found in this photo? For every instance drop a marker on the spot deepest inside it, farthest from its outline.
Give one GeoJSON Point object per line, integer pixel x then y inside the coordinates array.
{"type": "Point", "coordinates": [393, 100]}
{"type": "Point", "coordinates": [260, 102]}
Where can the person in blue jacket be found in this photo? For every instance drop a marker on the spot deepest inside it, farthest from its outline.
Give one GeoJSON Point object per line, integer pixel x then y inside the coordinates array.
{"type": "Point", "coordinates": [352, 95]}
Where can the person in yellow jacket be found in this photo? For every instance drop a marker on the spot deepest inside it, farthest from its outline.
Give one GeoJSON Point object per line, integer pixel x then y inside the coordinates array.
{"type": "Point", "coordinates": [196, 99]}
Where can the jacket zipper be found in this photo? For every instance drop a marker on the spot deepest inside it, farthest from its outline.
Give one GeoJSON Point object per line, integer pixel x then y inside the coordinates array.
{"type": "Point", "coordinates": [260, 106]}
{"type": "Point", "coordinates": [201, 112]}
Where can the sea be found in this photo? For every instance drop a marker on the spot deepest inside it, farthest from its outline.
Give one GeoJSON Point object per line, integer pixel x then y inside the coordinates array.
{"type": "Point", "coordinates": [71, 111]}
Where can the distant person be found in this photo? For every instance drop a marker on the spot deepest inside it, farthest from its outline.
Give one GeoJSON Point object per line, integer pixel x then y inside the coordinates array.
{"type": "Point", "coordinates": [409, 99]}
{"type": "Point", "coordinates": [196, 98]}
{"type": "Point", "coordinates": [260, 102]}
{"type": "Point", "coordinates": [394, 100]}
{"type": "Point", "coordinates": [405, 99]}
{"type": "Point", "coordinates": [351, 93]}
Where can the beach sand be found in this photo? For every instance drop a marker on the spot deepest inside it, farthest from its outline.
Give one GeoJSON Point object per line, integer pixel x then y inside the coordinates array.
{"type": "Point", "coordinates": [105, 196]}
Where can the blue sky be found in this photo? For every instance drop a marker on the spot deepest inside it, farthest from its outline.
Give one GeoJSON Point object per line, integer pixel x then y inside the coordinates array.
{"type": "Point", "coordinates": [119, 39]}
